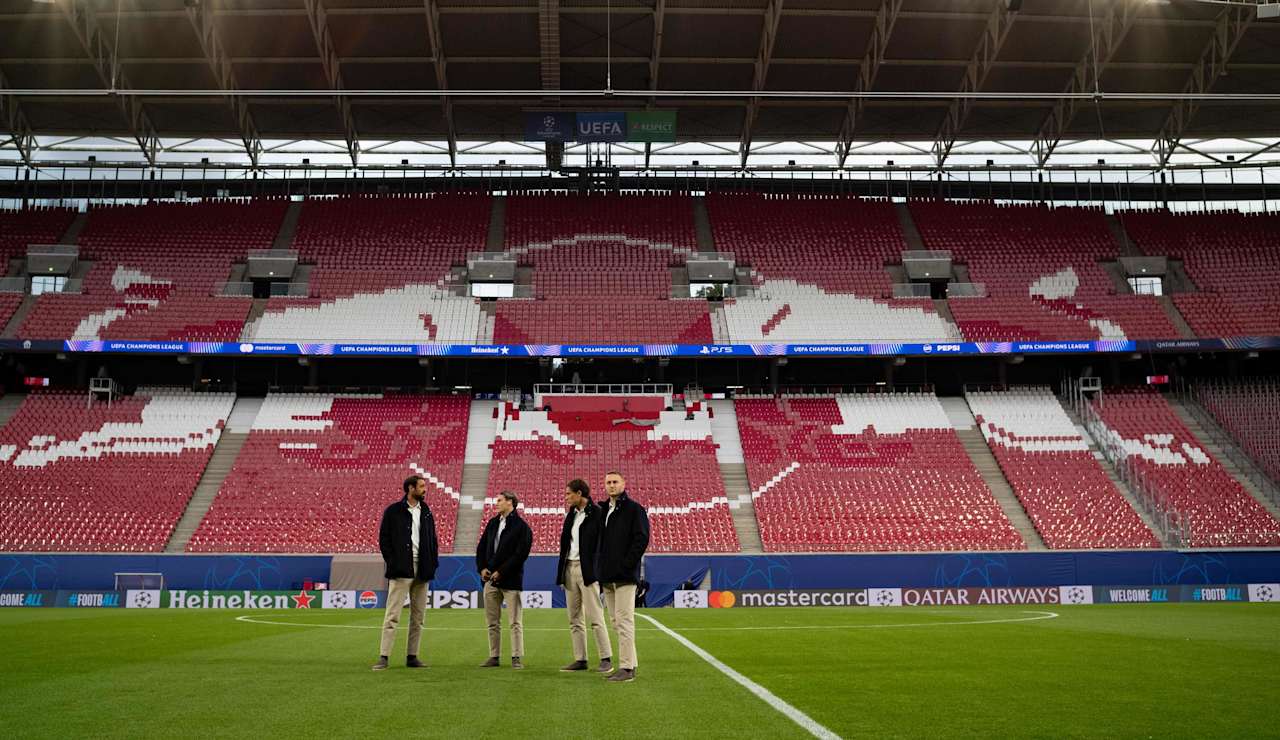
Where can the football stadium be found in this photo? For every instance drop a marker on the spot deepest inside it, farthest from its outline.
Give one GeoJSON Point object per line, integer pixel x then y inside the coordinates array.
{"type": "Point", "coordinates": [817, 368]}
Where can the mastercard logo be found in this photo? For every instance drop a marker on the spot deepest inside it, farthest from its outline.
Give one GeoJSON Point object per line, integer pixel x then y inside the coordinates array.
{"type": "Point", "coordinates": [721, 599]}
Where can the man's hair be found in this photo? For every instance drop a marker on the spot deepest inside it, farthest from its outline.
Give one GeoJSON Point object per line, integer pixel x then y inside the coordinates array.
{"type": "Point", "coordinates": [508, 495]}
{"type": "Point", "coordinates": [580, 487]}
{"type": "Point", "coordinates": [412, 482]}
{"type": "Point", "coordinates": [614, 472]}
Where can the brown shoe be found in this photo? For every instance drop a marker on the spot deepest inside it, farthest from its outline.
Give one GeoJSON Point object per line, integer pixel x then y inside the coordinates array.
{"type": "Point", "coordinates": [622, 675]}
{"type": "Point", "coordinates": [606, 665]}
{"type": "Point", "coordinates": [577, 665]}
{"type": "Point", "coordinates": [491, 663]}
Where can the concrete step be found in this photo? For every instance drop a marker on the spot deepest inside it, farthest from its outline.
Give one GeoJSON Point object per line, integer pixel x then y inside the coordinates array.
{"type": "Point", "coordinates": [256, 310]}
{"type": "Point", "coordinates": [243, 413]}
{"type": "Point", "coordinates": [475, 480]}
{"type": "Point", "coordinates": [1113, 475]}
{"type": "Point", "coordinates": [482, 427]}
{"type": "Point", "coordinates": [909, 231]}
{"type": "Point", "coordinates": [724, 431]}
{"type": "Point", "coordinates": [72, 234]}
{"type": "Point", "coordinates": [741, 507]}
{"type": "Point", "coordinates": [702, 226]}
{"type": "Point", "coordinates": [219, 467]}
{"type": "Point", "coordinates": [495, 239]}
{"type": "Point", "coordinates": [9, 405]}
{"type": "Point", "coordinates": [1218, 443]}
{"type": "Point", "coordinates": [1175, 317]}
{"type": "Point", "coordinates": [1124, 245]}
{"type": "Point", "coordinates": [288, 226]}
{"type": "Point", "coordinates": [15, 322]}
{"type": "Point", "coordinates": [976, 446]}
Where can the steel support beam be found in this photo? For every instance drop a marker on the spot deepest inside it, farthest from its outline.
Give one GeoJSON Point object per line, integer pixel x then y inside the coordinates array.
{"type": "Point", "coordinates": [319, 20]}
{"type": "Point", "coordinates": [93, 39]}
{"type": "Point", "coordinates": [996, 30]}
{"type": "Point", "coordinates": [886, 17]}
{"type": "Point", "coordinates": [549, 42]}
{"type": "Point", "coordinates": [768, 35]}
{"type": "Point", "coordinates": [655, 60]}
{"type": "Point", "coordinates": [1230, 28]}
{"type": "Point", "coordinates": [201, 17]}
{"type": "Point", "coordinates": [16, 122]}
{"type": "Point", "coordinates": [439, 60]}
{"type": "Point", "coordinates": [1108, 33]}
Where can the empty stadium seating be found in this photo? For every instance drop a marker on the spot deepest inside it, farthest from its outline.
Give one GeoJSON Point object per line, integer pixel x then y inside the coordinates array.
{"type": "Point", "coordinates": [1232, 258]}
{"type": "Point", "coordinates": [1211, 506]}
{"type": "Point", "coordinates": [104, 478]}
{"type": "Point", "coordinates": [819, 265]}
{"type": "Point", "coordinates": [1067, 494]}
{"type": "Point", "coordinates": [1040, 268]}
{"type": "Point", "coordinates": [21, 229]}
{"type": "Point", "coordinates": [155, 272]}
{"type": "Point", "coordinates": [378, 267]}
{"type": "Point", "coordinates": [1250, 412]}
{"type": "Point", "coordinates": [317, 471]}
{"type": "Point", "coordinates": [866, 472]}
{"type": "Point", "coordinates": [668, 461]}
{"type": "Point", "coordinates": [600, 271]}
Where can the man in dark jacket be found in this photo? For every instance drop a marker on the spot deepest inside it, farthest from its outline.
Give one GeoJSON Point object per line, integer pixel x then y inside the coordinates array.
{"type": "Point", "coordinates": [623, 540]}
{"type": "Point", "coordinates": [407, 539]}
{"type": "Point", "coordinates": [576, 571]}
{"type": "Point", "coordinates": [500, 557]}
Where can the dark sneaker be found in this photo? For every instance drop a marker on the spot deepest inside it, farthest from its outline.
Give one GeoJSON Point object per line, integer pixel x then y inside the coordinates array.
{"type": "Point", "coordinates": [516, 664]}
{"type": "Point", "coordinates": [606, 666]}
{"type": "Point", "coordinates": [413, 662]}
{"type": "Point", "coordinates": [622, 675]}
{"type": "Point", "coordinates": [577, 665]}
{"type": "Point", "coordinates": [381, 665]}
{"type": "Point", "coordinates": [490, 663]}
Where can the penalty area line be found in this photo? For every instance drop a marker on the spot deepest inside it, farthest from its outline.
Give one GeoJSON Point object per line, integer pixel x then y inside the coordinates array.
{"type": "Point", "coordinates": [806, 722]}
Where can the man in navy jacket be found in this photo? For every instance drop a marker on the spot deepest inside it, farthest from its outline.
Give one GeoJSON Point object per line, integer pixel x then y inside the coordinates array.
{"type": "Point", "coordinates": [623, 541]}
{"type": "Point", "coordinates": [576, 571]}
{"type": "Point", "coordinates": [500, 557]}
{"type": "Point", "coordinates": [410, 552]}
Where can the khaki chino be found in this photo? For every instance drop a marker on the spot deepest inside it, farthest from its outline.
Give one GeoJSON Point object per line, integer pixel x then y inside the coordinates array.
{"type": "Point", "coordinates": [581, 598]}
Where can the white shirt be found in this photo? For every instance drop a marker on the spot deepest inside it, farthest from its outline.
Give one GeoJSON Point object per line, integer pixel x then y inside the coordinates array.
{"type": "Point", "coordinates": [415, 511]}
{"type": "Point", "coordinates": [502, 524]}
{"type": "Point", "coordinates": [613, 504]}
{"type": "Point", "coordinates": [579, 516]}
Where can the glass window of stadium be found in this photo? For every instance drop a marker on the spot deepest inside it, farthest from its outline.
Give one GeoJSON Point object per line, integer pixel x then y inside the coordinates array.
{"type": "Point", "coordinates": [1147, 285]}
{"type": "Point", "coordinates": [48, 284]}
{"type": "Point", "coordinates": [493, 290]}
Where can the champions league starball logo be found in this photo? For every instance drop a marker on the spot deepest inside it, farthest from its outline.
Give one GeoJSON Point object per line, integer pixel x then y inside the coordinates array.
{"type": "Point", "coordinates": [535, 600]}
{"type": "Point", "coordinates": [1074, 595]}
{"type": "Point", "coordinates": [690, 599]}
{"type": "Point", "coordinates": [340, 600]}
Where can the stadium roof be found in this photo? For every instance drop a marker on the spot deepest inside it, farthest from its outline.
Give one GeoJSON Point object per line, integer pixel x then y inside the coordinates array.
{"type": "Point", "coordinates": [357, 71]}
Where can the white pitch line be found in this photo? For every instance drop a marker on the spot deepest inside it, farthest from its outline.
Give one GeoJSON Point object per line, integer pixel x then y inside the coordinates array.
{"type": "Point", "coordinates": [795, 715]}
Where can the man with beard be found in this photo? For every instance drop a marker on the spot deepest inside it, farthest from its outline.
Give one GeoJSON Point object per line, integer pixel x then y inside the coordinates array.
{"type": "Point", "coordinates": [411, 552]}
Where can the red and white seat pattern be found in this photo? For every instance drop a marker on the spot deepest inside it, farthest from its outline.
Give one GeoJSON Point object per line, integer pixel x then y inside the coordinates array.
{"type": "Point", "coordinates": [104, 478]}
{"type": "Point", "coordinates": [668, 462]}
{"type": "Point", "coordinates": [156, 269]}
{"type": "Point", "coordinates": [317, 471]}
{"type": "Point", "coordinates": [1250, 412]}
{"type": "Point", "coordinates": [1212, 506]}
{"type": "Point", "coordinates": [1234, 260]}
{"type": "Point", "coordinates": [379, 266]}
{"type": "Point", "coordinates": [601, 271]}
{"type": "Point", "coordinates": [819, 265]}
{"type": "Point", "coordinates": [1040, 267]}
{"type": "Point", "coordinates": [866, 472]}
{"type": "Point", "coordinates": [1067, 494]}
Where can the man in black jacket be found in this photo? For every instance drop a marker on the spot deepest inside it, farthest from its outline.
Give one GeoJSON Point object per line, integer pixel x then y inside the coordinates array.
{"type": "Point", "coordinates": [624, 539]}
{"type": "Point", "coordinates": [576, 571]}
{"type": "Point", "coordinates": [500, 557]}
{"type": "Point", "coordinates": [407, 539]}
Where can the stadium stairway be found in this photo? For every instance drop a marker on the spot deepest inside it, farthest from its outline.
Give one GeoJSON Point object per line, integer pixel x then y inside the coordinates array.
{"type": "Point", "coordinates": [72, 234]}
{"type": "Point", "coordinates": [219, 467]}
{"type": "Point", "coordinates": [481, 429]}
{"type": "Point", "coordinates": [1115, 478]}
{"type": "Point", "coordinates": [496, 238]}
{"type": "Point", "coordinates": [1175, 317]}
{"type": "Point", "coordinates": [909, 231]}
{"type": "Point", "coordinates": [733, 471]}
{"type": "Point", "coordinates": [961, 418]}
{"type": "Point", "coordinates": [1218, 444]}
{"type": "Point", "coordinates": [702, 226]}
{"type": "Point", "coordinates": [19, 316]}
{"type": "Point", "coordinates": [288, 226]}
{"type": "Point", "coordinates": [9, 405]}
{"type": "Point", "coordinates": [1123, 242]}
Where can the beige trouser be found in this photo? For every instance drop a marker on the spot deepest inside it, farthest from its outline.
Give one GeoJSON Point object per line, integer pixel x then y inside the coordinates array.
{"type": "Point", "coordinates": [397, 589]}
{"type": "Point", "coordinates": [620, 599]}
{"type": "Point", "coordinates": [580, 597]}
{"type": "Point", "coordinates": [493, 598]}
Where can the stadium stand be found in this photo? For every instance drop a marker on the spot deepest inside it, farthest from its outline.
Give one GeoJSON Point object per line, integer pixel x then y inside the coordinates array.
{"type": "Point", "coordinates": [1234, 260]}
{"type": "Point", "coordinates": [379, 270]}
{"type": "Point", "coordinates": [865, 472]}
{"type": "Point", "coordinates": [601, 271]}
{"type": "Point", "coordinates": [106, 478]}
{"type": "Point", "coordinates": [20, 229]}
{"type": "Point", "coordinates": [1213, 508]}
{"type": "Point", "coordinates": [668, 461]}
{"type": "Point", "coordinates": [318, 469]}
{"type": "Point", "coordinates": [1250, 412]}
{"type": "Point", "coordinates": [1040, 268]}
{"type": "Point", "coordinates": [819, 269]}
{"type": "Point", "coordinates": [155, 272]}
{"type": "Point", "coordinates": [1067, 494]}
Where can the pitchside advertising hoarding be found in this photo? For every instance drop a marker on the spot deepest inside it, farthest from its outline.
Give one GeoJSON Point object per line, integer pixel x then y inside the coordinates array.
{"type": "Point", "coordinates": [974, 596]}
{"type": "Point", "coordinates": [205, 599]}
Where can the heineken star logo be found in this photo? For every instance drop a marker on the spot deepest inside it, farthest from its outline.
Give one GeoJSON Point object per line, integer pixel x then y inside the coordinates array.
{"type": "Point", "coordinates": [302, 600]}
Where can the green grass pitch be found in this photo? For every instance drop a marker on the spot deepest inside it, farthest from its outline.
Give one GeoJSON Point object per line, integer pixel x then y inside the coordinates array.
{"type": "Point", "coordinates": [1175, 670]}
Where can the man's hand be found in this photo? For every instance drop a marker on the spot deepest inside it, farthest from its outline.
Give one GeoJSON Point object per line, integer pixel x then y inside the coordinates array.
{"type": "Point", "coordinates": [494, 576]}
{"type": "Point", "coordinates": [484, 574]}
